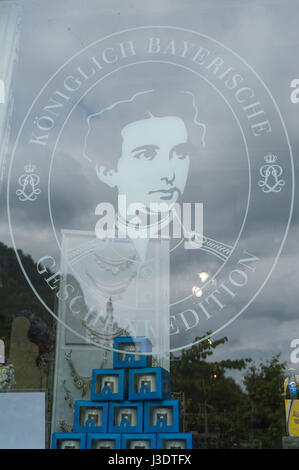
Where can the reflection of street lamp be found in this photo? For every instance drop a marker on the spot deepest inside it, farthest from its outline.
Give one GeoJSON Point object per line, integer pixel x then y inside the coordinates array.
{"type": "Point", "coordinates": [197, 291]}
{"type": "Point", "coordinates": [203, 276]}
{"type": "Point", "coordinates": [213, 377]}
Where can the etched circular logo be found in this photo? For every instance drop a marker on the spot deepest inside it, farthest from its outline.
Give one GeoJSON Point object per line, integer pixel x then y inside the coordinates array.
{"type": "Point", "coordinates": [157, 170]}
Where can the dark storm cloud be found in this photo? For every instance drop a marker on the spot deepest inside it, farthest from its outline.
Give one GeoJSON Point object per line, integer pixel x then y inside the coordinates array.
{"type": "Point", "coordinates": [263, 33]}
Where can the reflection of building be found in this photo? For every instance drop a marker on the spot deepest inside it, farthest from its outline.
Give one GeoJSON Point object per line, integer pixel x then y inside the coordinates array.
{"type": "Point", "coordinates": [106, 328]}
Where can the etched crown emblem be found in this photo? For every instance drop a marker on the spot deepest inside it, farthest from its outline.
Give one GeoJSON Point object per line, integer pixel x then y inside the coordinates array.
{"type": "Point", "coordinates": [270, 158]}
{"type": "Point", "coordinates": [29, 168]}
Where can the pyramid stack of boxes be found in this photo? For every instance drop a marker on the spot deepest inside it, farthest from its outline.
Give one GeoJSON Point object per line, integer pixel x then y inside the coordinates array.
{"type": "Point", "coordinates": [130, 406]}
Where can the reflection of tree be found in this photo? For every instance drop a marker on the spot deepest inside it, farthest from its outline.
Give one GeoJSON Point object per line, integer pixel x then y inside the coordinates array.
{"type": "Point", "coordinates": [264, 386]}
{"type": "Point", "coordinates": [219, 411]}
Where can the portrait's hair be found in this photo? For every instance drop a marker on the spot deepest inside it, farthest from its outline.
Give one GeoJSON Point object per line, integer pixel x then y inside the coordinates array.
{"type": "Point", "coordinates": [103, 139]}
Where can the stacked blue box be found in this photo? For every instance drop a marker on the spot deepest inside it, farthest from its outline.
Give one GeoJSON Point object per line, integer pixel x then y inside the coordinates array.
{"type": "Point", "coordinates": [150, 383]}
{"type": "Point", "coordinates": [162, 416]}
{"type": "Point", "coordinates": [175, 441]}
{"type": "Point", "coordinates": [139, 441]}
{"type": "Point", "coordinates": [129, 352]}
{"type": "Point", "coordinates": [130, 406]}
{"type": "Point", "coordinates": [103, 441]}
{"type": "Point", "coordinates": [70, 440]}
{"type": "Point", "coordinates": [108, 384]}
{"type": "Point", "coordinates": [126, 416]}
{"type": "Point", "coordinates": [90, 416]}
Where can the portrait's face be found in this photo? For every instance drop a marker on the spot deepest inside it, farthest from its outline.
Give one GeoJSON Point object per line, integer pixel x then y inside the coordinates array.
{"type": "Point", "coordinates": [154, 162]}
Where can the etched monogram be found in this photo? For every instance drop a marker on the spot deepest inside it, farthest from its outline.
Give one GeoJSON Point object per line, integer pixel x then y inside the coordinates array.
{"type": "Point", "coordinates": [271, 173]}
{"type": "Point", "coordinates": [28, 183]}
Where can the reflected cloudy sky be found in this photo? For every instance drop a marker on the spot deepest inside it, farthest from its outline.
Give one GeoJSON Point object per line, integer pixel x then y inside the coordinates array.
{"type": "Point", "coordinates": [265, 34]}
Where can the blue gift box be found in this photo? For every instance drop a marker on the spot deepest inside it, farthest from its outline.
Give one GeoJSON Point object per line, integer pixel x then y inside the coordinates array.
{"type": "Point", "coordinates": [125, 355]}
{"type": "Point", "coordinates": [90, 416]}
{"type": "Point", "coordinates": [108, 384]}
{"type": "Point", "coordinates": [68, 440]}
{"type": "Point", "coordinates": [175, 441]}
{"type": "Point", "coordinates": [139, 441]}
{"type": "Point", "coordinates": [125, 417]}
{"type": "Point", "coordinates": [162, 416]}
{"type": "Point", "coordinates": [149, 383]}
{"type": "Point", "coordinates": [103, 441]}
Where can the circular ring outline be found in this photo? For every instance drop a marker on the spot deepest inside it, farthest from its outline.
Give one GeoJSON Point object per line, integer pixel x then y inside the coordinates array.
{"type": "Point", "coordinates": [284, 129]}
